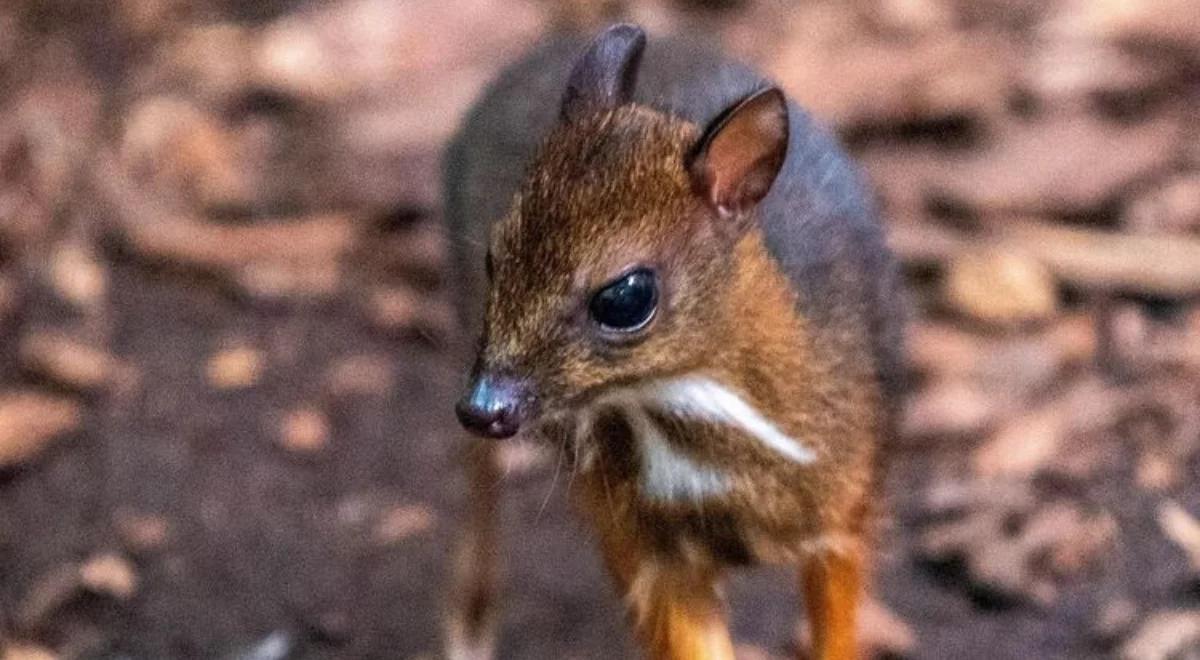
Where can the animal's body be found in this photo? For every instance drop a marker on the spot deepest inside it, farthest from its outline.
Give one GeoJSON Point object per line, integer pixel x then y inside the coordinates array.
{"type": "Point", "coordinates": [689, 290]}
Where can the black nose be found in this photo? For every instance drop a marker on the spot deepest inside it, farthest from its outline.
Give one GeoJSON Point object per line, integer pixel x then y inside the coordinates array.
{"type": "Point", "coordinates": [492, 407]}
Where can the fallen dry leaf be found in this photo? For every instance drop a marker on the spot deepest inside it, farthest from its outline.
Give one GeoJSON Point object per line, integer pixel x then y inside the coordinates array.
{"type": "Point", "coordinates": [1172, 206]}
{"type": "Point", "coordinates": [179, 147]}
{"type": "Point", "coordinates": [1115, 619]}
{"type": "Point", "coordinates": [1157, 472]}
{"type": "Point", "coordinates": [1163, 635]}
{"type": "Point", "coordinates": [883, 632]}
{"type": "Point", "coordinates": [141, 532]}
{"type": "Point", "coordinates": [1024, 169]}
{"type": "Point", "coordinates": [109, 574]}
{"type": "Point", "coordinates": [235, 368]}
{"type": "Point", "coordinates": [1020, 548]}
{"type": "Point", "coordinates": [49, 592]}
{"type": "Point", "coordinates": [361, 375]}
{"type": "Point", "coordinates": [1182, 528]}
{"type": "Point", "coordinates": [404, 309]}
{"type": "Point", "coordinates": [78, 276]}
{"type": "Point", "coordinates": [1000, 287]}
{"type": "Point", "coordinates": [1024, 444]}
{"type": "Point", "coordinates": [211, 60]}
{"type": "Point", "coordinates": [1026, 362]}
{"type": "Point", "coordinates": [67, 361]}
{"type": "Point", "coordinates": [844, 77]}
{"type": "Point", "coordinates": [26, 651]}
{"type": "Point", "coordinates": [951, 407]}
{"type": "Point", "coordinates": [29, 420]}
{"type": "Point", "coordinates": [304, 430]}
{"type": "Point", "coordinates": [1155, 23]}
{"type": "Point", "coordinates": [268, 280]}
{"type": "Point", "coordinates": [404, 521]}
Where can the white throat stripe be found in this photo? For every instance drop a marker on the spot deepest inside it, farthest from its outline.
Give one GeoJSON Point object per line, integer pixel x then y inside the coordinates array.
{"type": "Point", "coordinates": [702, 398]}
{"type": "Point", "coordinates": [667, 474]}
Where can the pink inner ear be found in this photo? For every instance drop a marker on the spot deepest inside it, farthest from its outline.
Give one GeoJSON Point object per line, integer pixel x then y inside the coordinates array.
{"type": "Point", "coordinates": [744, 155]}
{"type": "Point", "coordinates": [731, 157]}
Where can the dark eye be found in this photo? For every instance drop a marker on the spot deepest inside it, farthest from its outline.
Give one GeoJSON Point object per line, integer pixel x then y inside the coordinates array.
{"type": "Point", "coordinates": [489, 265]}
{"type": "Point", "coordinates": [627, 303]}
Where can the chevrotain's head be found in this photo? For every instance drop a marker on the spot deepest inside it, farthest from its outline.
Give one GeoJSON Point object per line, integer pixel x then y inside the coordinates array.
{"type": "Point", "coordinates": [615, 261]}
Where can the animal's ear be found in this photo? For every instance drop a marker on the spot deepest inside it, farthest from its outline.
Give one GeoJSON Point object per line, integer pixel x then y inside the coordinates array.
{"type": "Point", "coordinates": [736, 159]}
{"type": "Point", "coordinates": [605, 74]}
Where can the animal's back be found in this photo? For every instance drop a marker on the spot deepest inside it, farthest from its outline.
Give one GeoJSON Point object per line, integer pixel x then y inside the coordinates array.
{"type": "Point", "coordinates": [818, 219]}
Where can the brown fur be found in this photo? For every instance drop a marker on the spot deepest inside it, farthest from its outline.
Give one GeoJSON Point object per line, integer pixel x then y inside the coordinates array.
{"type": "Point", "coordinates": [789, 303]}
{"type": "Point", "coordinates": [611, 191]}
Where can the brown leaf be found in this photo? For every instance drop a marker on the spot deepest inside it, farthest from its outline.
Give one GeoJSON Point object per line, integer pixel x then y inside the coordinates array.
{"type": "Point", "coordinates": [141, 532]}
{"type": "Point", "coordinates": [67, 361]}
{"type": "Point", "coordinates": [1019, 363]}
{"type": "Point", "coordinates": [403, 309]}
{"type": "Point", "coordinates": [26, 651]}
{"type": "Point", "coordinates": [1182, 529]}
{"type": "Point", "coordinates": [1075, 72]}
{"type": "Point", "coordinates": [78, 276]}
{"type": "Point", "coordinates": [210, 60]}
{"type": "Point", "coordinates": [1041, 436]}
{"type": "Point", "coordinates": [1000, 287]}
{"type": "Point", "coordinates": [1057, 164]}
{"type": "Point", "coordinates": [49, 592]}
{"type": "Point", "coordinates": [1157, 472]}
{"type": "Point", "coordinates": [1172, 206]}
{"type": "Point", "coordinates": [835, 70]}
{"type": "Point", "coordinates": [175, 147]}
{"type": "Point", "coordinates": [360, 375]}
{"type": "Point", "coordinates": [1161, 23]}
{"type": "Point", "coordinates": [234, 368]}
{"type": "Point", "coordinates": [1018, 548]}
{"type": "Point", "coordinates": [404, 521]}
{"type": "Point", "coordinates": [304, 430]}
{"type": "Point", "coordinates": [951, 407]}
{"type": "Point", "coordinates": [269, 280]}
{"type": "Point", "coordinates": [1115, 619]}
{"type": "Point", "coordinates": [1024, 444]}
{"type": "Point", "coordinates": [883, 632]}
{"type": "Point", "coordinates": [109, 574]}
{"type": "Point", "coordinates": [1163, 635]}
{"type": "Point", "coordinates": [357, 47]}
{"type": "Point", "coordinates": [29, 420]}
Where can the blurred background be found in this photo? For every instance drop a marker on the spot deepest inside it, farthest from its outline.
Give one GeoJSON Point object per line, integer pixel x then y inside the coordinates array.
{"type": "Point", "coordinates": [225, 383]}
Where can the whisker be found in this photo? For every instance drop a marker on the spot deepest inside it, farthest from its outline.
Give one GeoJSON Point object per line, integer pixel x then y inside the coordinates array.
{"type": "Point", "coordinates": [581, 432]}
{"type": "Point", "coordinates": [550, 491]}
{"type": "Point", "coordinates": [612, 508]}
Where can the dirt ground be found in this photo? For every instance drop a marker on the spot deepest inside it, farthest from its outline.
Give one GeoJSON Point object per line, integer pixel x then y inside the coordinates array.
{"type": "Point", "coordinates": [225, 365]}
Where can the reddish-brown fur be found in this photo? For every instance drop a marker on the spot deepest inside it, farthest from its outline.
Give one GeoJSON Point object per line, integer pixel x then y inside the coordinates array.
{"type": "Point", "coordinates": [615, 187]}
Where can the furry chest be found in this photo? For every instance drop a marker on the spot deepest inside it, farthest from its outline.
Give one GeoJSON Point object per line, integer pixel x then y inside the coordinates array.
{"type": "Point", "coordinates": [696, 468]}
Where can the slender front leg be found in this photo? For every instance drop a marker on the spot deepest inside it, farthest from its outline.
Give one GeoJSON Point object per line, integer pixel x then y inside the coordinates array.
{"type": "Point", "coordinates": [675, 608]}
{"type": "Point", "coordinates": [680, 615]}
{"type": "Point", "coordinates": [471, 617]}
{"type": "Point", "coordinates": [832, 588]}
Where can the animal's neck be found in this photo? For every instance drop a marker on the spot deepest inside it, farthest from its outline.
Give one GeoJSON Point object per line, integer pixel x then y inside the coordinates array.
{"type": "Point", "coordinates": [767, 352]}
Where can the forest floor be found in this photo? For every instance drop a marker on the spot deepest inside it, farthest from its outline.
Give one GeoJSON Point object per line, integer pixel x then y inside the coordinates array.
{"type": "Point", "coordinates": [225, 372]}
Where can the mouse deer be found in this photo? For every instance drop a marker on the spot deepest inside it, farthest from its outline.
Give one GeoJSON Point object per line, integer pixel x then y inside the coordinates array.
{"type": "Point", "coordinates": [679, 279]}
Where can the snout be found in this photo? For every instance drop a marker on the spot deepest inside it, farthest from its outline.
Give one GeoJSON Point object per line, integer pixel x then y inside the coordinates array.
{"type": "Point", "coordinates": [494, 406]}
